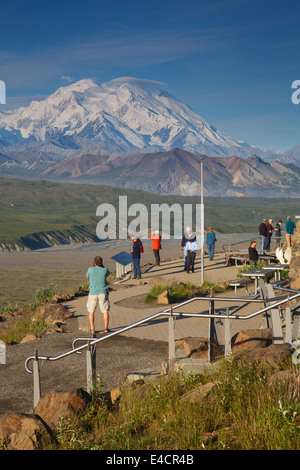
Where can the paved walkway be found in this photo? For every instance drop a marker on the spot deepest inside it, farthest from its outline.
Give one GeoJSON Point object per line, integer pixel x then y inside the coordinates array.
{"type": "Point", "coordinates": [157, 329]}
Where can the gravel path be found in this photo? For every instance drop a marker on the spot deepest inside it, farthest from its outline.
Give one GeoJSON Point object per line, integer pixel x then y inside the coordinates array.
{"type": "Point", "coordinates": [115, 358]}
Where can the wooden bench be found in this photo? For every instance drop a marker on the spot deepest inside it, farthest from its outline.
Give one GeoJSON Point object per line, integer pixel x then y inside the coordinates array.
{"type": "Point", "coordinates": [240, 283]}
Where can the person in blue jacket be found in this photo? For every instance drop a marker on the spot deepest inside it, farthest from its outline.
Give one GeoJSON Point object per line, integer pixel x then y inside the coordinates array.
{"type": "Point", "coordinates": [210, 241]}
{"type": "Point", "coordinates": [136, 257]}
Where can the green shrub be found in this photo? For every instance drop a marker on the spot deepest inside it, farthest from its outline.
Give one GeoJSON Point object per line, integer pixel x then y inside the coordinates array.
{"type": "Point", "coordinates": [178, 291]}
{"type": "Point", "coordinates": [45, 294]}
{"type": "Point", "coordinates": [22, 327]}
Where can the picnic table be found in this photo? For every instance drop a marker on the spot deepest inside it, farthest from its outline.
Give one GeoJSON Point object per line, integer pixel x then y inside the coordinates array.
{"type": "Point", "coordinates": [267, 257]}
{"type": "Point", "coordinates": [257, 274]}
{"type": "Point", "coordinates": [245, 259]}
{"type": "Point", "coordinates": [277, 268]}
{"type": "Point", "coordinates": [242, 259]}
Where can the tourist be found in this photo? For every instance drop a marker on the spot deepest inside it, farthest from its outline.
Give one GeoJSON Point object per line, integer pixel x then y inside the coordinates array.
{"type": "Point", "coordinates": [187, 236]}
{"type": "Point", "coordinates": [136, 257]}
{"type": "Point", "coordinates": [210, 241]}
{"type": "Point", "coordinates": [97, 276]}
{"type": "Point", "coordinates": [263, 233]}
{"type": "Point", "coordinates": [253, 254]}
{"type": "Point", "coordinates": [278, 234]}
{"type": "Point", "coordinates": [156, 245]}
{"type": "Point", "coordinates": [191, 248]}
{"type": "Point", "coordinates": [289, 228]}
{"type": "Point", "coordinates": [270, 231]}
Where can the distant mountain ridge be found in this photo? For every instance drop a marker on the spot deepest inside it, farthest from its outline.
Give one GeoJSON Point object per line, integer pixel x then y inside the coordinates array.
{"type": "Point", "coordinates": [178, 172]}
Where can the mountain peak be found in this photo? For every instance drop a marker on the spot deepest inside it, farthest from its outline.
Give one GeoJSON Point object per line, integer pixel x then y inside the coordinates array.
{"type": "Point", "coordinates": [136, 82]}
{"type": "Point", "coordinates": [83, 84]}
{"type": "Point", "coordinates": [125, 114]}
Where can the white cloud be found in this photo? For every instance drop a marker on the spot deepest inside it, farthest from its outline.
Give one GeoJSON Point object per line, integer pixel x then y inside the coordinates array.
{"type": "Point", "coordinates": [67, 78]}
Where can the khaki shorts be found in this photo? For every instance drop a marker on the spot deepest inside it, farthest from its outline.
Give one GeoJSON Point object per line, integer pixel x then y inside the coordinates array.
{"type": "Point", "coordinates": [103, 301]}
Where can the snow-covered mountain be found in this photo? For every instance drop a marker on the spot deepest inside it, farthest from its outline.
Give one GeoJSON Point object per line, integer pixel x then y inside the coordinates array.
{"type": "Point", "coordinates": [124, 115]}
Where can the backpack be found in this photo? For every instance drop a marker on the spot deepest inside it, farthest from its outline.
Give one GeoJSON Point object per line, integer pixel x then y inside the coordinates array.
{"type": "Point", "coordinates": [141, 246]}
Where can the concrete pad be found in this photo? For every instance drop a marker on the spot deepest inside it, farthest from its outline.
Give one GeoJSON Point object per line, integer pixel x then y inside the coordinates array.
{"type": "Point", "coordinates": [158, 328]}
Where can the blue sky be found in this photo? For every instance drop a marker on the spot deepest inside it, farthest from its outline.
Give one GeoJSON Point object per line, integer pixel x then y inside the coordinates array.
{"type": "Point", "coordinates": [232, 61]}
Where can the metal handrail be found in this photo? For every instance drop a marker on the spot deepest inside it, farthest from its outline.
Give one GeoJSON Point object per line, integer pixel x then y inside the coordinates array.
{"type": "Point", "coordinates": [170, 311]}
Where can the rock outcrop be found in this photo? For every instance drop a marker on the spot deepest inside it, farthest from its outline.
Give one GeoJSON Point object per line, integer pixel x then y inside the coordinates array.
{"type": "Point", "coordinates": [251, 339]}
{"type": "Point", "coordinates": [54, 406]}
{"type": "Point", "coordinates": [20, 431]}
{"type": "Point", "coordinates": [52, 313]}
{"type": "Point", "coordinates": [193, 346]}
{"type": "Point", "coordinates": [38, 240]}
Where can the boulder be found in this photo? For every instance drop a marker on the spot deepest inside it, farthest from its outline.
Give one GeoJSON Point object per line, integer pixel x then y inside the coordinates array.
{"type": "Point", "coordinates": [193, 346]}
{"type": "Point", "coordinates": [251, 339]}
{"type": "Point", "coordinates": [62, 297]}
{"type": "Point", "coordinates": [28, 338]}
{"type": "Point", "coordinates": [19, 431]}
{"type": "Point", "coordinates": [164, 298]}
{"type": "Point", "coordinates": [52, 312]}
{"type": "Point", "coordinates": [198, 393]}
{"type": "Point", "coordinates": [55, 405]}
{"type": "Point", "coordinates": [295, 283]}
{"type": "Point", "coordinates": [294, 267]}
{"type": "Point", "coordinates": [114, 395]}
{"type": "Point", "coordinates": [271, 355]}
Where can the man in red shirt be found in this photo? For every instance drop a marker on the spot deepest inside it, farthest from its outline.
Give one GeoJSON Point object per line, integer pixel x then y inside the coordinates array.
{"type": "Point", "coordinates": [156, 245]}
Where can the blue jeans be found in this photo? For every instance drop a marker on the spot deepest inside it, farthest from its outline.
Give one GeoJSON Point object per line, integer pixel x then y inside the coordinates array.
{"type": "Point", "coordinates": [263, 241]}
{"type": "Point", "coordinates": [136, 267]}
{"type": "Point", "coordinates": [268, 243]}
{"type": "Point", "coordinates": [211, 251]}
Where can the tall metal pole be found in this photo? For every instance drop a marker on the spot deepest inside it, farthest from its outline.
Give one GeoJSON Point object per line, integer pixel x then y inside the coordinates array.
{"type": "Point", "coordinates": [202, 225]}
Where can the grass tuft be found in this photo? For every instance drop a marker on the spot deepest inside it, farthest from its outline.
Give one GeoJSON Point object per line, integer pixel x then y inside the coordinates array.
{"type": "Point", "coordinates": [243, 411]}
{"type": "Point", "coordinates": [178, 291]}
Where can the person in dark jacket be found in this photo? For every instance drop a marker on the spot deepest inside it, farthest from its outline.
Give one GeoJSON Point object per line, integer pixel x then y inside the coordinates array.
{"type": "Point", "coordinates": [136, 257]}
{"type": "Point", "coordinates": [263, 233]}
{"type": "Point", "coordinates": [253, 254]}
{"type": "Point", "coordinates": [278, 234]}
